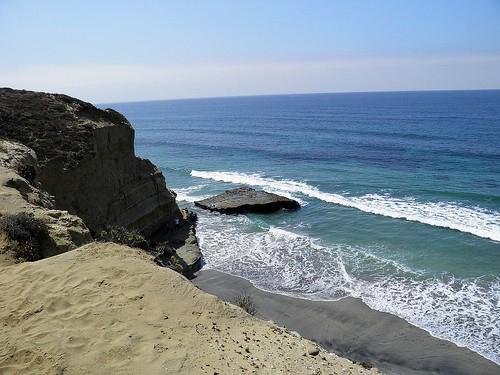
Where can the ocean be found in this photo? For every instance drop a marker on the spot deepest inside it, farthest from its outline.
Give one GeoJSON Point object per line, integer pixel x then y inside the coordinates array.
{"type": "Point", "coordinates": [400, 196]}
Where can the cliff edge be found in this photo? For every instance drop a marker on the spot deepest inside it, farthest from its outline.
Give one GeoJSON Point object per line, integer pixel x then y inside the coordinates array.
{"type": "Point", "coordinates": [108, 309]}
{"type": "Point", "coordinates": [72, 167]}
{"type": "Point", "coordinates": [86, 161]}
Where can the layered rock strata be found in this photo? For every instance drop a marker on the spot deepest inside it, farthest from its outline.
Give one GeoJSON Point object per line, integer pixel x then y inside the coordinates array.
{"type": "Point", "coordinates": [73, 166]}
{"type": "Point", "coordinates": [87, 162]}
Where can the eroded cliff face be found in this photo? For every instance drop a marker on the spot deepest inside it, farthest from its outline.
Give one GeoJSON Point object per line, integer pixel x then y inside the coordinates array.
{"type": "Point", "coordinates": [20, 192]}
{"type": "Point", "coordinates": [86, 160]}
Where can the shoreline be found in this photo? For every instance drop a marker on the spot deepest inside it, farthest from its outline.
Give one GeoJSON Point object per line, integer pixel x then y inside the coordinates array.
{"type": "Point", "coordinates": [351, 329]}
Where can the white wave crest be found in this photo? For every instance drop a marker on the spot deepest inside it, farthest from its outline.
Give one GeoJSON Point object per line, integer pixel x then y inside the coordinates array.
{"type": "Point", "coordinates": [480, 222]}
{"type": "Point", "coordinates": [186, 194]}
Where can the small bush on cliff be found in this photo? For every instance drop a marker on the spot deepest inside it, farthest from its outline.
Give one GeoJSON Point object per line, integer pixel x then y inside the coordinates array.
{"type": "Point", "coordinates": [166, 256]}
{"type": "Point", "coordinates": [4, 242]}
{"type": "Point", "coordinates": [246, 303]}
{"type": "Point", "coordinates": [25, 235]}
{"type": "Point", "coordinates": [122, 235]}
{"type": "Point", "coordinates": [28, 172]}
{"type": "Point", "coordinates": [163, 250]}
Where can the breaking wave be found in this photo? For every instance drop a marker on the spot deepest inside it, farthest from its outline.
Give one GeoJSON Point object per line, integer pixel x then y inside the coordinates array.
{"type": "Point", "coordinates": [186, 194]}
{"type": "Point", "coordinates": [474, 220]}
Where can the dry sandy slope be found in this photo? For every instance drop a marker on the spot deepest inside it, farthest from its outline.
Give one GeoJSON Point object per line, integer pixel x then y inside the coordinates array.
{"type": "Point", "coordinates": [107, 309]}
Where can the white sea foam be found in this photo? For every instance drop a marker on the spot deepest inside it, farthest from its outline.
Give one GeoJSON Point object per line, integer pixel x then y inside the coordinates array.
{"type": "Point", "coordinates": [275, 259]}
{"type": "Point", "coordinates": [464, 311]}
{"type": "Point", "coordinates": [474, 220]}
{"type": "Point", "coordinates": [186, 194]}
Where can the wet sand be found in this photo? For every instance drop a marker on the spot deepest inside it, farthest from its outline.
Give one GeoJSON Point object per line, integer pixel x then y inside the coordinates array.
{"type": "Point", "coordinates": [353, 330]}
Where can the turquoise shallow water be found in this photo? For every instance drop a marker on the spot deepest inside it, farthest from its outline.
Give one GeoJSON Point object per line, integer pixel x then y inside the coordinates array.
{"type": "Point", "coordinates": [400, 195]}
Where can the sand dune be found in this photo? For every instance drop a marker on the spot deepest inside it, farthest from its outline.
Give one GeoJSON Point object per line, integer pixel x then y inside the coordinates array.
{"type": "Point", "coordinates": [107, 309]}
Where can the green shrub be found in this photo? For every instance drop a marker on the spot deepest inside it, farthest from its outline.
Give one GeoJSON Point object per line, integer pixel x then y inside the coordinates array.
{"type": "Point", "coordinates": [162, 249]}
{"type": "Point", "coordinates": [26, 235]}
{"type": "Point", "coordinates": [178, 265]}
{"type": "Point", "coordinates": [246, 303]}
{"type": "Point", "coordinates": [122, 235]}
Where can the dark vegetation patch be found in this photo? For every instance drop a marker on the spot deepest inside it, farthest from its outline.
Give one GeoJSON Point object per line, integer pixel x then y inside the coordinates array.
{"type": "Point", "coordinates": [246, 303]}
{"type": "Point", "coordinates": [25, 234]}
{"type": "Point", "coordinates": [124, 236]}
{"type": "Point", "coordinates": [365, 365]}
{"type": "Point", "coordinates": [28, 172]}
{"type": "Point", "coordinates": [165, 255]}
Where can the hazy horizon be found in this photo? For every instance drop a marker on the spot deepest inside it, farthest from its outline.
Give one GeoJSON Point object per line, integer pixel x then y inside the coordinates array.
{"type": "Point", "coordinates": [121, 51]}
{"type": "Point", "coordinates": [287, 94]}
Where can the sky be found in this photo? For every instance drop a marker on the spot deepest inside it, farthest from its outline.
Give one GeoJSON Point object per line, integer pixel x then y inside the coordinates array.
{"type": "Point", "coordinates": [112, 51]}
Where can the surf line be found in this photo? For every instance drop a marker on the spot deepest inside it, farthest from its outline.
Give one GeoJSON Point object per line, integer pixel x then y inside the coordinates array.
{"type": "Point", "coordinates": [480, 222]}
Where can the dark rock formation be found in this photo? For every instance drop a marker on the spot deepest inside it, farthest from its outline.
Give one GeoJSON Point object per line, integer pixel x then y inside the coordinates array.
{"type": "Point", "coordinates": [86, 161]}
{"type": "Point", "coordinates": [243, 200]}
{"type": "Point", "coordinates": [180, 249]}
{"type": "Point", "coordinates": [72, 166]}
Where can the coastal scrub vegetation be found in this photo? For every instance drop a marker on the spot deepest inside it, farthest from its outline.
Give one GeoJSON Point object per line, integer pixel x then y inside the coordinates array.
{"type": "Point", "coordinates": [28, 172]}
{"type": "Point", "coordinates": [4, 242]}
{"type": "Point", "coordinates": [23, 235]}
{"type": "Point", "coordinates": [246, 303]}
{"type": "Point", "coordinates": [166, 256]}
{"type": "Point", "coordinates": [124, 236]}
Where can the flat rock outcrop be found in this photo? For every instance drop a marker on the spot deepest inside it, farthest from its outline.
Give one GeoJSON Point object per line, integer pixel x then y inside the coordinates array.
{"type": "Point", "coordinates": [86, 161]}
{"type": "Point", "coordinates": [243, 200]}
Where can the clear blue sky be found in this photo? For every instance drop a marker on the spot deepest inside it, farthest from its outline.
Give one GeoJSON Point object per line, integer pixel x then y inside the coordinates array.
{"type": "Point", "coordinates": [133, 50]}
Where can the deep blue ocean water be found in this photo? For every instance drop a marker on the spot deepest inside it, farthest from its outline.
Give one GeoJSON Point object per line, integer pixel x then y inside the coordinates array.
{"type": "Point", "coordinates": [400, 195]}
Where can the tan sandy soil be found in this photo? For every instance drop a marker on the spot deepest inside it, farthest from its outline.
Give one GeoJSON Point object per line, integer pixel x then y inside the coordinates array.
{"type": "Point", "coordinates": [108, 309]}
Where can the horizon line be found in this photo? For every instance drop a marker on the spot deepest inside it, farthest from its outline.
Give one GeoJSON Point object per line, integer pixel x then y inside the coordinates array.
{"type": "Point", "coordinates": [292, 94]}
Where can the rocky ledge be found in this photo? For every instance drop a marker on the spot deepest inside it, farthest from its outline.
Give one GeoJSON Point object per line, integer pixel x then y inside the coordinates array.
{"type": "Point", "coordinates": [243, 200]}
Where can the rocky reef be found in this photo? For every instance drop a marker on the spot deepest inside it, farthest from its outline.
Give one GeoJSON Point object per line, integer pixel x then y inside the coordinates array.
{"type": "Point", "coordinates": [241, 200]}
{"type": "Point", "coordinates": [73, 167]}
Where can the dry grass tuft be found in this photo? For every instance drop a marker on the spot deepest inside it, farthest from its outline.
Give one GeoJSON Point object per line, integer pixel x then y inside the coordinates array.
{"type": "Point", "coordinates": [4, 242]}
{"type": "Point", "coordinates": [246, 303]}
{"type": "Point", "coordinates": [24, 234]}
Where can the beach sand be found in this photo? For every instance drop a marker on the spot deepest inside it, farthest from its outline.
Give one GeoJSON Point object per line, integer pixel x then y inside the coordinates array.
{"type": "Point", "coordinates": [351, 329]}
{"type": "Point", "coordinates": [108, 309]}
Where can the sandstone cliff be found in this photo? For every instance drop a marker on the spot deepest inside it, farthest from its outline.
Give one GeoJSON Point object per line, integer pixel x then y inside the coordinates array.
{"type": "Point", "coordinates": [20, 192]}
{"type": "Point", "coordinates": [86, 161]}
